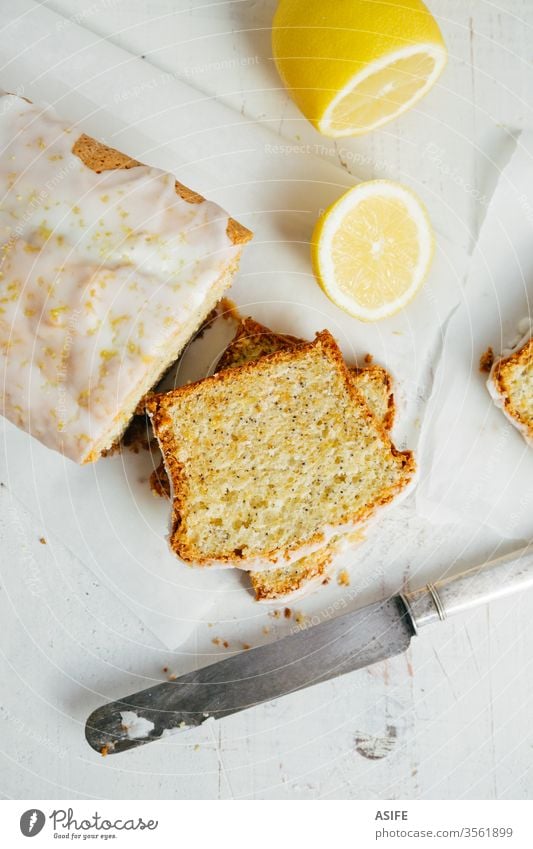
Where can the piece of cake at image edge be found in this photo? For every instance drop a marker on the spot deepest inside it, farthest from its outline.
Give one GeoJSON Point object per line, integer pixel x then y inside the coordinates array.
{"type": "Point", "coordinates": [510, 384]}
{"type": "Point", "coordinates": [109, 267]}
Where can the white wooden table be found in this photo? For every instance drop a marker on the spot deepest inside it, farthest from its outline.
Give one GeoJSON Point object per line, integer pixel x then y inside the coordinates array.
{"type": "Point", "coordinates": [449, 720]}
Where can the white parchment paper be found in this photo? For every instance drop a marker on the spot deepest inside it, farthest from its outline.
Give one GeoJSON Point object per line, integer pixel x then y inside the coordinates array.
{"type": "Point", "coordinates": [105, 513]}
{"type": "Point", "coordinates": [476, 466]}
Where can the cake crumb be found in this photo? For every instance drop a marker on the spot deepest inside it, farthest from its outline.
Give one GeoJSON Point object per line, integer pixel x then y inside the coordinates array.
{"type": "Point", "coordinates": [42, 540]}
{"type": "Point", "coordinates": [299, 617]}
{"type": "Point", "coordinates": [343, 578]}
{"type": "Point", "coordinates": [275, 614]}
{"type": "Point", "coordinates": [326, 581]}
{"type": "Point", "coordinates": [104, 751]}
{"type": "Point", "coordinates": [216, 641]}
{"type": "Point", "coordinates": [287, 613]}
{"type": "Point", "coordinates": [486, 360]}
{"type": "Point", "coordinates": [246, 646]}
{"type": "Point", "coordinates": [228, 309]}
{"type": "Point", "coordinates": [225, 644]}
{"type": "Point", "coordinates": [266, 629]}
{"type": "Point", "coordinates": [369, 359]}
{"type": "Point", "coordinates": [165, 669]}
{"type": "Point", "coordinates": [172, 676]}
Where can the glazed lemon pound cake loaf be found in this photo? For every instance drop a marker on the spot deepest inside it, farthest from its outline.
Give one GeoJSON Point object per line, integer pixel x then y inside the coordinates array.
{"type": "Point", "coordinates": [270, 460]}
{"type": "Point", "coordinates": [510, 384]}
{"type": "Point", "coordinates": [108, 267]}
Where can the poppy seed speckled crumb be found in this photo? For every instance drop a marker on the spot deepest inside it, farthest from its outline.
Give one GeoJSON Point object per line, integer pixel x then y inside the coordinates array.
{"type": "Point", "coordinates": [263, 457]}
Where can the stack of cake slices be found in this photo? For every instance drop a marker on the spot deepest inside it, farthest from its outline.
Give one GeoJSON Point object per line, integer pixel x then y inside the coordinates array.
{"type": "Point", "coordinates": [276, 460]}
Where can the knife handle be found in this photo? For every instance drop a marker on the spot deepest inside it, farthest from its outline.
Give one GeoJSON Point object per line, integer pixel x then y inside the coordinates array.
{"type": "Point", "coordinates": [494, 579]}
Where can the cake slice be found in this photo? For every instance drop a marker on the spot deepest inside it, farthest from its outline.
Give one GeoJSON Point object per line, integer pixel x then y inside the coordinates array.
{"type": "Point", "coordinates": [108, 268]}
{"type": "Point", "coordinates": [510, 384]}
{"type": "Point", "coordinates": [288, 582]}
{"type": "Point", "coordinates": [253, 340]}
{"type": "Point", "coordinates": [269, 460]}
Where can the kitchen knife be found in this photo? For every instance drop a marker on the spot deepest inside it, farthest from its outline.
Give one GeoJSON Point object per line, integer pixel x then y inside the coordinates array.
{"type": "Point", "coordinates": [307, 657]}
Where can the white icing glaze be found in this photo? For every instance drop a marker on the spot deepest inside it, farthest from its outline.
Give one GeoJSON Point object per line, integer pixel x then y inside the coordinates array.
{"type": "Point", "coordinates": [98, 273]}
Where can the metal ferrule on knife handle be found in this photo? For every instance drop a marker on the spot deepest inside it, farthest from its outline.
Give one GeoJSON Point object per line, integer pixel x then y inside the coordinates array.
{"type": "Point", "coordinates": [495, 579]}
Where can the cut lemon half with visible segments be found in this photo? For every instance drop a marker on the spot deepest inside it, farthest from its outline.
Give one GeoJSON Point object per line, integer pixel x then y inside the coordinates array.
{"type": "Point", "coordinates": [372, 249]}
{"type": "Point", "coordinates": [353, 65]}
{"type": "Point", "coordinates": [384, 90]}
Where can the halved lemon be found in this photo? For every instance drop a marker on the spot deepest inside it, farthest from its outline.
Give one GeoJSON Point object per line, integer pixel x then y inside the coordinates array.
{"type": "Point", "coordinates": [353, 65]}
{"type": "Point", "coordinates": [372, 249]}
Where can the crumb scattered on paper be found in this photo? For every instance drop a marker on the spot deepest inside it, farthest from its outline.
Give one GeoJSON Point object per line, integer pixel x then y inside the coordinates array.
{"type": "Point", "coordinates": [486, 360]}
{"type": "Point", "coordinates": [343, 578]}
{"type": "Point", "coordinates": [229, 309]}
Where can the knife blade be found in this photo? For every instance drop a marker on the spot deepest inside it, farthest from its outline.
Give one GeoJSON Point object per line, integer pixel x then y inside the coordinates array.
{"type": "Point", "coordinates": [307, 657]}
{"type": "Point", "coordinates": [302, 659]}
